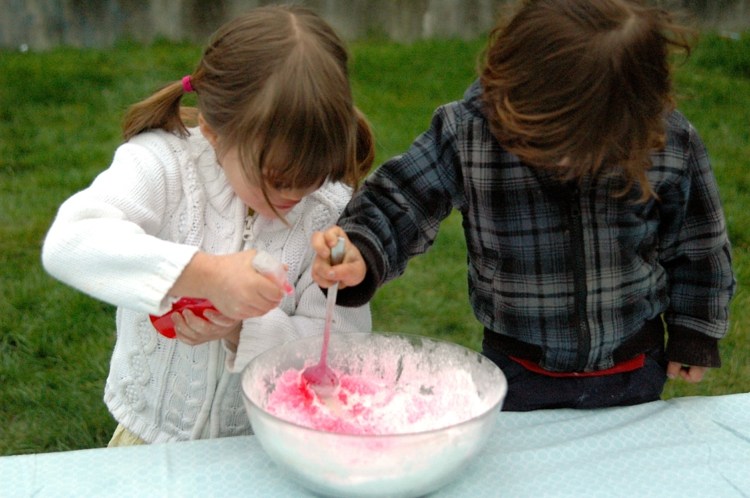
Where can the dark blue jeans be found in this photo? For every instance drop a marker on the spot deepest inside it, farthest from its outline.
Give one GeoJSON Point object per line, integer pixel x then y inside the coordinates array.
{"type": "Point", "coordinates": [532, 391]}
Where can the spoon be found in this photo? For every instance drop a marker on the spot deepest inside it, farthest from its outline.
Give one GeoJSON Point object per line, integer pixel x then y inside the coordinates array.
{"type": "Point", "coordinates": [321, 377]}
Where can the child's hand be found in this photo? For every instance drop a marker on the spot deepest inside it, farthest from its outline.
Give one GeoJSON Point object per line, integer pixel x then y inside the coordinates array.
{"type": "Point", "coordinates": [242, 291]}
{"type": "Point", "coordinates": [193, 330]}
{"type": "Point", "coordinates": [689, 373]}
{"type": "Point", "coordinates": [231, 283]}
{"type": "Point", "coordinates": [348, 273]}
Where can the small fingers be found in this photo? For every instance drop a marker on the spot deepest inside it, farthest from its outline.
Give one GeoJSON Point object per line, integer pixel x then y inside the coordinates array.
{"type": "Point", "coordinates": [317, 242]}
{"type": "Point", "coordinates": [195, 323]}
{"type": "Point", "coordinates": [323, 274]}
{"type": "Point", "coordinates": [332, 238]}
{"type": "Point", "coordinates": [694, 374]}
{"type": "Point", "coordinates": [183, 331]}
{"type": "Point", "coordinates": [192, 329]}
{"type": "Point", "coordinates": [688, 373]}
{"type": "Point", "coordinates": [673, 369]}
{"type": "Point", "coordinates": [323, 242]}
{"type": "Point", "coordinates": [218, 319]}
{"type": "Point", "coordinates": [258, 307]}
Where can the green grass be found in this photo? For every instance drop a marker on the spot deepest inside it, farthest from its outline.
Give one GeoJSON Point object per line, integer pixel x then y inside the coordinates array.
{"type": "Point", "coordinates": [59, 125]}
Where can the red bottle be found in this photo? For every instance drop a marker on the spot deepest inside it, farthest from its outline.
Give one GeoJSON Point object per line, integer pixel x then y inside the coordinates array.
{"type": "Point", "coordinates": [164, 323]}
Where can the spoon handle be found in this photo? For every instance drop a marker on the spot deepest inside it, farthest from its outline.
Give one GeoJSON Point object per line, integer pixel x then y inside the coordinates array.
{"type": "Point", "coordinates": [337, 252]}
{"type": "Point", "coordinates": [337, 256]}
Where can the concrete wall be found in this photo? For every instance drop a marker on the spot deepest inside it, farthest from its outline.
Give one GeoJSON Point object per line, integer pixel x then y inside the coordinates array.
{"type": "Point", "coordinates": [42, 24]}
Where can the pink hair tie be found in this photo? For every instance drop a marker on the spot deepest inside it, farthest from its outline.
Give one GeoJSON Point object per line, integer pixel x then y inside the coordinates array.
{"type": "Point", "coordinates": [187, 85]}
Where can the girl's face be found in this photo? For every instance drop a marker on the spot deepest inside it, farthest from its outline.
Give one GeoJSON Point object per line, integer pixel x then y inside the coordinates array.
{"type": "Point", "coordinates": [283, 199]}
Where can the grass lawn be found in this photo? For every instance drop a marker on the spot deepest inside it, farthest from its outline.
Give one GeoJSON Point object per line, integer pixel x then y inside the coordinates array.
{"type": "Point", "coordinates": [59, 125]}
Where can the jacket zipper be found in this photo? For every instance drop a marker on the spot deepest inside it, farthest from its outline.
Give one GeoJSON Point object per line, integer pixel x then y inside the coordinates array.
{"type": "Point", "coordinates": [247, 230]}
{"type": "Point", "coordinates": [579, 280]}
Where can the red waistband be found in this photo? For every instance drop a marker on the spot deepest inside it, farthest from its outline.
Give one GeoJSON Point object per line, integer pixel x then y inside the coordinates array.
{"type": "Point", "coordinates": [624, 366]}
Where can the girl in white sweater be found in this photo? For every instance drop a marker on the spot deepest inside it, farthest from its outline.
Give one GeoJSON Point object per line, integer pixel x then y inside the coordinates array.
{"type": "Point", "coordinates": [182, 212]}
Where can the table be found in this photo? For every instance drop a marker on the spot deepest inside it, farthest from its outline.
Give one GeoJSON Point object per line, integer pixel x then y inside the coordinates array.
{"type": "Point", "coordinates": [696, 446]}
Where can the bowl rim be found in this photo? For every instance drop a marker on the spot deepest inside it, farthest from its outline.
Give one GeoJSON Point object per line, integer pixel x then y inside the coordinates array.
{"type": "Point", "coordinates": [496, 406]}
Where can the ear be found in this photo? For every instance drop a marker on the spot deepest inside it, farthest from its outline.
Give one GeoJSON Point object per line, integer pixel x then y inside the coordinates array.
{"type": "Point", "coordinates": [208, 132]}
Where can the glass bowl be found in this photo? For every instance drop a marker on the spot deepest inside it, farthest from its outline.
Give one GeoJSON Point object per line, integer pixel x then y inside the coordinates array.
{"type": "Point", "coordinates": [408, 461]}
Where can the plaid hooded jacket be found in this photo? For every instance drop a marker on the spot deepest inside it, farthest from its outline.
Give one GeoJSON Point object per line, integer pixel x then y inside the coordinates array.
{"type": "Point", "coordinates": [572, 275]}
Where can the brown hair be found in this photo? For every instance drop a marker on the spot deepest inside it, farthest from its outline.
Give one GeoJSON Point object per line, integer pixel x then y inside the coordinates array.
{"type": "Point", "coordinates": [274, 83]}
{"type": "Point", "coordinates": [582, 85]}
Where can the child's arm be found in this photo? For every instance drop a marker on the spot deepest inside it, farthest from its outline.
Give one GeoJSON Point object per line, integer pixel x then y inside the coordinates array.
{"type": "Point", "coordinates": [194, 327]}
{"type": "Point", "coordinates": [696, 253]}
{"type": "Point", "coordinates": [397, 212]}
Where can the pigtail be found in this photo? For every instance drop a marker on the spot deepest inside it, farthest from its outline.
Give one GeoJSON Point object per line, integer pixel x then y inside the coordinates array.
{"type": "Point", "coordinates": [159, 111]}
{"type": "Point", "coordinates": [365, 150]}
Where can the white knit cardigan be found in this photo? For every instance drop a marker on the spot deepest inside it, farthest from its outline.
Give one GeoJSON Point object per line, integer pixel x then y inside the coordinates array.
{"type": "Point", "coordinates": [126, 239]}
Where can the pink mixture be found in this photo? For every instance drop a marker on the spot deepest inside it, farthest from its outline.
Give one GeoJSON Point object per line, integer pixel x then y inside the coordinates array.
{"type": "Point", "coordinates": [370, 405]}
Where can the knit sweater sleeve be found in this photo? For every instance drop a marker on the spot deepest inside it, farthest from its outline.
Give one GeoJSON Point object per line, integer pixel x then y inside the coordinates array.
{"type": "Point", "coordinates": [103, 240]}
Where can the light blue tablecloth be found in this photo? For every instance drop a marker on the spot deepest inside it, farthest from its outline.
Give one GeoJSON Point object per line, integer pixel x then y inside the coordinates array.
{"type": "Point", "coordinates": [684, 447]}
